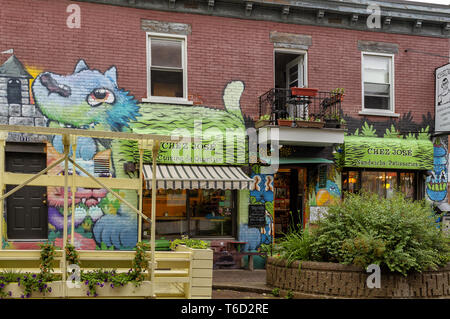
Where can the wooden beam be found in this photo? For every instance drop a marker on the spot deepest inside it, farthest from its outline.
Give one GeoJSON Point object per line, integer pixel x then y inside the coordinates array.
{"type": "Point", "coordinates": [31, 178]}
{"type": "Point", "coordinates": [81, 181]}
{"type": "Point", "coordinates": [120, 198]}
{"type": "Point", "coordinates": [94, 134]}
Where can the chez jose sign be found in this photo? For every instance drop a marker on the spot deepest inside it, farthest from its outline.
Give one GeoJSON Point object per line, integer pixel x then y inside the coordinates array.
{"type": "Point", "coordinates": [394, 153]}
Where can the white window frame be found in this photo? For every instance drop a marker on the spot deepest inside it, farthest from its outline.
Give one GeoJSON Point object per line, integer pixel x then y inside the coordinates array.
{"type": "Point", "coordinates": [391, 111]}
{"type": "Point", "coordinates": [167, 99]}
{"type": "Point", "coordinates": [293, 51]}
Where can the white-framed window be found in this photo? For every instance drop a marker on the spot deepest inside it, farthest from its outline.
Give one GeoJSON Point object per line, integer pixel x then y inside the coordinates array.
{"type": "Point", "coordinates": [377, 74]}
{"type": "Point", "coordinates": [166, 68]}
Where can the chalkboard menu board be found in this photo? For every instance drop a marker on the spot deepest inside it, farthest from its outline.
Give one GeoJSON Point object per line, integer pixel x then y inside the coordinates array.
{"type": "Point", "coordinates": [256, 216]}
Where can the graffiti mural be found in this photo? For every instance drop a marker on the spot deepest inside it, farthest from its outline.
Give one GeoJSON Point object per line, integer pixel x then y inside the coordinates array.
{"type": "Point", "coordinates": [90, 99]}
{"type": "Point", "coordinates": [436, 184]}
{"type": "Point", "coordinates": [262, 192]}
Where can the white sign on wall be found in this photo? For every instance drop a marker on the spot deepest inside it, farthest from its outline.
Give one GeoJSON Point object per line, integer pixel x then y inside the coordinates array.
{"type": "Point", "coordinates": [442, 100]}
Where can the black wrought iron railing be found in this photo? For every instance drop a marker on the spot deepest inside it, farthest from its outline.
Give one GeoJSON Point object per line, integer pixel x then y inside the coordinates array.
{"type": "Point", "coordinates": [277, 104]}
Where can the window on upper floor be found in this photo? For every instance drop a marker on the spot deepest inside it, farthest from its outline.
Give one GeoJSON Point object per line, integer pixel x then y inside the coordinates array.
{"type": "Point", "coordinates": [166, 68]}
{"type": "Point", "coordinates": [378, 83]}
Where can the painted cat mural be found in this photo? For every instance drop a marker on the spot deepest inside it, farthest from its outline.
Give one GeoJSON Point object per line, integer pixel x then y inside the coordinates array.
{"type": "Point", "coordinates": [89, 99]}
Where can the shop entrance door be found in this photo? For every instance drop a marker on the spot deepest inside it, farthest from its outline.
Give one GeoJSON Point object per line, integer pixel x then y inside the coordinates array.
{"type": "Point", "coordinates": [26, 209]}
{"type": "Point", "coordinates": [289, 199]}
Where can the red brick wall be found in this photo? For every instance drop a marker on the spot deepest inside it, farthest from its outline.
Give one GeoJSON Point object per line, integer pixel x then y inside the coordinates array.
{"type": "Point", "coordinates": [219, 50]}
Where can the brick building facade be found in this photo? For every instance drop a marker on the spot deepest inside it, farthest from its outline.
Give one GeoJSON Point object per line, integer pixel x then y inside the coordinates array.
{"type": "Point", "coordinates": [226, 48]}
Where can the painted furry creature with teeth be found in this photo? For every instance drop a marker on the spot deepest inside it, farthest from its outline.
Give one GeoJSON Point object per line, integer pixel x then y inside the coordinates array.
{"type": "Point", "coordinates": [89, 99]}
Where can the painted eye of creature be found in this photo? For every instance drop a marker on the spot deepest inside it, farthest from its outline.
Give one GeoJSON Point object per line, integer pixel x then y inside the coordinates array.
{"type": "Point", "coordinates": [100, 96]}
{"type": "Point", "coordinates": [442, 177]}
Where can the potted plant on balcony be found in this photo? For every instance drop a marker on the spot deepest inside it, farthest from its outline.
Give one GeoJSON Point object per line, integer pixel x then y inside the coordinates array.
{"type": "Point", "coordinates": [303, 91]}
{"type": "Point", "coordinates": [286, 121]}
{"type": "Point", "coordinates": [333, 120]}
{"type": "Point", "coordinates": [264, 120]}
{"type": "Point", "coordinates": [309, 122]}
{"type": "Point", "coordinates": [336, 95]}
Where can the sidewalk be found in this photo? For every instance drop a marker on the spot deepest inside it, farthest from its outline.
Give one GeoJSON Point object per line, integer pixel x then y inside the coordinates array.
{"type": "Point", "coordinates": [241, 280]}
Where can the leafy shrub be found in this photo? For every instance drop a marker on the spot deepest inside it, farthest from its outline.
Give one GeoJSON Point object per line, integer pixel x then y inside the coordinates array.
{"type": "Point", "coordinates": [366, 229]}
{"type": "Point", "coordinates": [192, 243]}
{"type": "Point", "coordinates": [296, 245]}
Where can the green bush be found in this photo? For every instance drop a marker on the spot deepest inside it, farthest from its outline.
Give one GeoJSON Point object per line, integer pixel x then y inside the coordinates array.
{"type": "Point", "coordinates": [295, 245]}
{"type": "Point", "coordinates": [191, 243]}
{"type": "Point", "coordinates": [397, 233]}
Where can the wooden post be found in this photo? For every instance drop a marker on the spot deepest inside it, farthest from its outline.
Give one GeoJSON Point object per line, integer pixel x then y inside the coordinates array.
{"type": "Point", "coordinates": [73, 188]}
{"type": "Point", "coordinates": [140, 204]}
{"type": "Point", "coordinates": [3, 136]}
{"type": "Point", "coordinates": [155, 151]}
{"type": "Point", "coordinates": [66, 142]}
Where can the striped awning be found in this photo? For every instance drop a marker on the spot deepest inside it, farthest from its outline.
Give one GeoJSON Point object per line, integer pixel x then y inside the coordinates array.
{"type": "Point", "coordinates": [197, 177]}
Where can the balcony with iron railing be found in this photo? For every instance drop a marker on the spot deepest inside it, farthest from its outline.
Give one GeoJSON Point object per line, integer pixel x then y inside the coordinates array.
{"type": "Point", "coordinates": [301, 116]}
{"type": "Point", "coordinates": [301, 107]}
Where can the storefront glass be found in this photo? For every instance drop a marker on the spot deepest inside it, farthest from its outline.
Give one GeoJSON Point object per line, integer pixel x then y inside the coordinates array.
{"type": "Point", "coordinates": [197, 213]}
{"type": "Point", "coordinates": [382, 183]}
{"type": "Point", "coordinates": [210, 212]}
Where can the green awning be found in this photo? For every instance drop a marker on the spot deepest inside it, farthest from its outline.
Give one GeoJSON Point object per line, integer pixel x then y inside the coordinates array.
{"type": "Point", "coordinates": [297, 160]}
{"type": "Point", "coordinates": [393, 153]}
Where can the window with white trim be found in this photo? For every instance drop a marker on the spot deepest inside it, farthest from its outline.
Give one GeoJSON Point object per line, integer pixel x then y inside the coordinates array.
{"type": "Point", "coordinates": [378, 82]}
{"type": "Point", "coordinates": [167, 75]}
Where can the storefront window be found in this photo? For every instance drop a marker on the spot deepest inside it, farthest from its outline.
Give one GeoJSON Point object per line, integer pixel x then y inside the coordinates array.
{"type": "Point", "coordinates": [384, 184]}
{"type": "Point", "coordinates": [373, 182]}
{"type": "Point", "coordinates": [210, 212]}
{"type": "Point", "coordinates": [407, 184]}
{"type": "Point", "coordinates": [197, 213]}
{"type": "Point", "coordinates": [351, 182]}
{"type": "Point", "coordinates": [171, 213]}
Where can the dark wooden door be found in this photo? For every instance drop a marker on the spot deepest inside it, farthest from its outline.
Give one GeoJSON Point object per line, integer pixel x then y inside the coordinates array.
{"type": "Point", "coordinates": [26, 209]}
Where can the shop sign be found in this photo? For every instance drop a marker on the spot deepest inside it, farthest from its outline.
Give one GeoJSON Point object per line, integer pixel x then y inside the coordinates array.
{"type": "Point", "coordinates": [393, 153]}
{"type": "Point", "coordinates": [442, 99]}
{"type": "Point", "coordinates": [209, 150]}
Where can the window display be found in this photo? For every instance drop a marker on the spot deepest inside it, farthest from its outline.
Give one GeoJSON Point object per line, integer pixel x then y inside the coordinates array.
{"type": "Point", "coordinates": [383, 183]}
{"type": "Point", "coordinates": [204, 212]}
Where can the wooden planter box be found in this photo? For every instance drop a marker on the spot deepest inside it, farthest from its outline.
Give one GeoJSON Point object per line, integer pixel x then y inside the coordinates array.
{"type": "Point", "coordinates": [262, 123]}
{"type": "Point", "coordinates": [310, 124]}
{"type": "Point", "coordinates": [201, 272]}
{"type": "Point", "coordinates": [144, 290]}
{"type": "Point", "coordinates": [333, 280]}
{"type": "Point", "coordinates": [184, 273]}
{"type": "Point", "coordinates": [282, 122]}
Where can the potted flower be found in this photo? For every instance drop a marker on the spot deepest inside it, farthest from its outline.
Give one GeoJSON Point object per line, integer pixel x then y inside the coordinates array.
{"type": "Point", "coordinates": [264, 120]}
{"type": "Point", "coordinates": [338, 94]}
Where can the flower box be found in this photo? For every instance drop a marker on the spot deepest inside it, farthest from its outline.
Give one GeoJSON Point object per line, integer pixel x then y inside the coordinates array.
{"type": "Point", "coordinates": [262, 123]}
{"type": "Point", "coordinates": [144, 290]}
{"type": "Point", "coordinates": [332, 123]}
{"type": "Point", "coordinates": [282, 122]}
{"type": "Point", "coordinates": [309, 124]}
{"type": "Point", "coordinates": [303, 91]}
